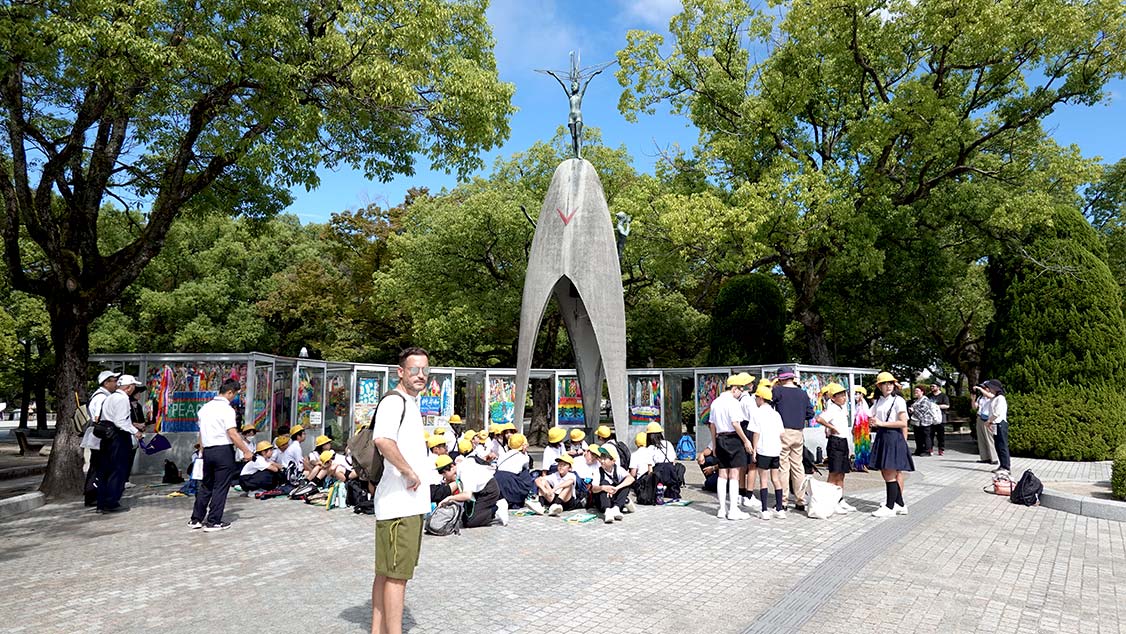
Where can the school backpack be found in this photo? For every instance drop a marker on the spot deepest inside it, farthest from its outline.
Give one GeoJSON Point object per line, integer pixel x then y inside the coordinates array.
{"type": "Point", "coordinates": [686, 448]}
{"type": "Point", "coordinates": [445, 520]}
{"type": "Point", "coordinates": [645, 488]}
{"type": "Point", "coordinates": [1027, 491]}
{"type": "Point", "coordinates": [366, 458]}
{"type": "Point", "coordinates": [821, 498]}
{"type": "Point", "coordinates": [172, 475]}
{"type": "Point", "coordinates": [623, 454]}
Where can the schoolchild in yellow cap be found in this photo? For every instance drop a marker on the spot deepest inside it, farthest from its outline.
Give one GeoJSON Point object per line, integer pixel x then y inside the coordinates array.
{"type": "Point", "coordinates": [261, 473]}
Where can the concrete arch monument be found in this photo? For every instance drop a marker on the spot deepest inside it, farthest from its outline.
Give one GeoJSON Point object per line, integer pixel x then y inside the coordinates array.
{"type": "Point", "coordinates": [574, 258]}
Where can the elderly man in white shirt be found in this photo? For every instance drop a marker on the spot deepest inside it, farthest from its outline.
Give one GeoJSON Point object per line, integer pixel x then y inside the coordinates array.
{"type": "Point", "coordinates": [107, 383]}
{"type": "Point", "coordinates": [117, 450]}
{"type": "Point", "coordinates": [218, 437]}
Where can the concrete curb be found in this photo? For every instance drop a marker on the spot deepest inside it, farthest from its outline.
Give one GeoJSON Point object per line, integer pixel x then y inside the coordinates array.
{"type": "Point", "coordinates": [1082, 505]}
{"type": "Point", "coordinates": [21, 503]}
{"type": "Point", "coordinates": [11, 473]}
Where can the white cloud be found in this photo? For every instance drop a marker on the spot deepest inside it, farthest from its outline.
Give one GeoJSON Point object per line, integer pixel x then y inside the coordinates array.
{"type": "Point", "coordinates": [530, 34]}
{"type": "Point", "coordinates": [651, 13]}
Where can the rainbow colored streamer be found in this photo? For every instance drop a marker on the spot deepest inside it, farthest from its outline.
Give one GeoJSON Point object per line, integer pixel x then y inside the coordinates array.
{"type": "Point", "coordinates": [861, 437]}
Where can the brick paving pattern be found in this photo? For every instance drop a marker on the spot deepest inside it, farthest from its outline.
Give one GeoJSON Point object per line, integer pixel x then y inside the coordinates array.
{"type": "Point", "coordinates": [963, 561]}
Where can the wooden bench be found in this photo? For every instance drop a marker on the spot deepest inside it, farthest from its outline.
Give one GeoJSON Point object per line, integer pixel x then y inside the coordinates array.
{"type": "Point", "coordinates": [26, 448]}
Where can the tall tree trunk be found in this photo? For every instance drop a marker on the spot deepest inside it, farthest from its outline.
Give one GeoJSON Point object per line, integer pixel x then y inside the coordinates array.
{"type": "Point", "coordinates": [25, 385]}
{"type": "Point", "coordinates": [542, 411]}
{"type": "Point", "coordinates": [41, 404]}
{"type": "Point", "coordinates": [805, 276]}
{"type": "Point", "coordinates": [817, 346]}
{"type": "Point", "coordinates": [70, 334]}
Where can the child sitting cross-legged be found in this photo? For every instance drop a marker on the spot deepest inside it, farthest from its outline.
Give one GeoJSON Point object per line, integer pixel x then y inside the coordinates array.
{"type": "Point", "coordinates": [476, 488]}
{"type": "Point", "coordinates": [262, 472]}
{"type": "Point", "coordinates": [556, 490]}
{"type": "Point", "coordinates": [610, 488]}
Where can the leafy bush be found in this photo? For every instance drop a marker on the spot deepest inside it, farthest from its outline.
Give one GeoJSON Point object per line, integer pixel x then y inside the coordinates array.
{"type": "Point", "coordinates": [1118, 474]}
{"type": "Point", "coordinates": [748, 321]}
{"type": "Point", "coordinates": [1067, 423]}
{"type": "Point", "coordinates": [960, 405]}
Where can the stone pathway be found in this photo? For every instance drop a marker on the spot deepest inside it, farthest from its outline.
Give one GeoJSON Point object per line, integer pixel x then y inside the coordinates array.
{"type": "Point", "coordinates": [962, 561]}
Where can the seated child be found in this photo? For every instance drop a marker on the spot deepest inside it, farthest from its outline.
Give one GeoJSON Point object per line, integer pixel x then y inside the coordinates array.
{"type": "Point", "coordinates": [514, 474]}
{"type": "Point", "coordinates": [514, 458]}
{"type": "Point", "coordinates": [331, 465]}
{"type": "Point", "coordinates": [576, 444]}
{"type": "Point", "coordinates": [313, 460]}
{"type": "Point", "coordinates": [480, 445]}
{"type": "Point", "coordinates": [248, 432]}
{"type": "Point", "coordinates": [554, 448]}
{"type": "Point", "coordinates": [610, 488]}
{"type": "Point", "coordinates": [262, 473]}
{"type": "Point", "coordinates": [641, 460]}
{"type": "Point", "coordinates": [709, 466]}
{"type": "Point", "coordinates": [195, 473]}
{"type": "Point", "coordinates": [556, 490]}
{"type": "Point", "coordinates": [464, 447]}
{"type": "Point", "coordinates": [436, 443]}
{"type": "Point", "coordinates": [477, 488]}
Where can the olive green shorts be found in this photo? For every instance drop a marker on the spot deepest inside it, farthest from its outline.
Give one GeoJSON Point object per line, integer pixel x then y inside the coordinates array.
{"type": "Point", "coordinates": [397, 546]}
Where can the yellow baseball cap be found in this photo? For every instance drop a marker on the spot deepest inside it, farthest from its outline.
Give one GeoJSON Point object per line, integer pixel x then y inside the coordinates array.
{"type": "Point", "coordinates": [765, 393]}
{"type": "Point", "coordinates": [327, 456]}
{"type": "Point", "coordinates": [860, 388]}
{"type": "Point", "coordinates": [592, 449]}
{"type": "Point", "coordinates": [482, 435]}
{"type": "Point", "coordinates": [577, 435]}
{"type": "Point", "coordinates": [249, 428]}
{"type": "Point", "coordinates": [833, 389]}
{"type": "Point", "coordinates": [464, 445]}
{"type": "Point", "coordinates": [603, 431]}
{"type": "Point", "coordinates": [441, 462]}
{"type": "Point", "coordinates": [517, 441]}
{"type": "Point", "coordinates": [435, 440]}
{"type": "Point", "coordinates": [321, 440]}
{"type": "Point", "coordinates": [508, 427]}
{"type": "Point", "coordinates": [740, 379]}
{"type": "Point", "coordinates": [608, 450]}
{"type": "Point", "coordinates": [296, 429]}
{"type": "Point", "coordinates": [496, 428]}
{"type": "Point", "coordinates": [441, 431]}
{"type": "Point", "coordinates": [640, 439]}
{"type": "Point", "coordinates": [556, 434]}
{"type": "Point", "coordinates": [469, 433]}
{"type": "Point", "coordinates": [653, 428]}
{"type": "Point", "coordinates": [262, 445]}
{"type": "Point", "coordinates": [282, 441]}
{"type": "Point", "coordinates": [455, 419]}
{"type": "Point", "coordinates": [566, 458]}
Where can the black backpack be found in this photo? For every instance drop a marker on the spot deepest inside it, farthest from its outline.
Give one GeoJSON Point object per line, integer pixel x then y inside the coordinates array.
{"type": "Point", "coordinates": [623, 454]}
{"type": "Point", "coordinates": [1028, 490]}
{"type": "Point", "coordinates": [645, 488]}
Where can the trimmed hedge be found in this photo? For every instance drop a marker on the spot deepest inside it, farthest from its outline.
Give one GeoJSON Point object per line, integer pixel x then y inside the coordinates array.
{"type": "Point", "coordinates": [1067, 423]}
{"type": "Point", "coordinates": [1118, 474]}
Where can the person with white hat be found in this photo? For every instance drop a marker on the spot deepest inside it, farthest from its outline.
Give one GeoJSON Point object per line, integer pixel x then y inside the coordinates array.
{"type": "Point", "coordinates": [107, 384]}
{"type": "Point", "coordinates": [117, 450]}
{"type": "Point", "coordinates": [890, 453]}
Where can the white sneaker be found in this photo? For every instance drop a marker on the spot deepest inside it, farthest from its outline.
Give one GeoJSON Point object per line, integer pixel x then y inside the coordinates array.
{"type": "Point", "coordinates": [618, 515]}
{"type": "Point", "coordinates": [502, 511]}
{"type": "Point", "coordinates": [764, 515]}
{"type": "Point", "coordinates": [780, 514]}
{"type": "Point", "coordinates": [534, 506]}
{"type": "Point", "coordinates": [883, 511]}
{"type": "Point", "coordinates": [630, 507]}
{"type": "Point", "coordinates": [607, 518]}
{"type": "Point", "coordinates": [844, 507]}
{"type": "Point", "coordinates": [129, 485]}
{"type": "Point", "coordinates": [555, 510]}
{"type": "Point", "coordinates": [737, 514]}
{"type": "Point", "coordinates": [900, 510]}
{"type": "Point", "coordinates": [721, 513]}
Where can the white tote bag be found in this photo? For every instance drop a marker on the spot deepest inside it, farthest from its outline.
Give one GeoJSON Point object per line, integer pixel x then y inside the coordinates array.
{"type": "Point", "coordinates": [821, 498]}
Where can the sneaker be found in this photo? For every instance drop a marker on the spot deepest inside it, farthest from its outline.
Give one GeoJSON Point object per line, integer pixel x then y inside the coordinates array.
{"type": "Point", "coordinates": [883, 511]}
{"type": "Point", "coordinates": [900, 510]}
{"type": "Point", "coordinates": [212, 528]}
{"type": "Point", "coordinates": [502, 511]}
{"type": "Point", "coordinates": [194, 524]}
{"type": "Point", "coordinates": [555, 510]}
{"type": "Point", "coordinates": [780, 514]}
{"type": "Point", "coordinates": [129, 485]}
{"type": "Point", "coordinates": [630, 507]}
{"type": "Point", "coordinates": [618, 515]}
{"type": "Point", "coordinates": [721, 513]}
{"type": "Point", "coordinates": [845, 507]}
{"type": "Point", "coordinates": [607, 518]}
{"type": "Point", "coordinates": [534, 506]}
{"type": "Point", "coordinates": [764, 515]}
{"type": "Point", "coordinates": [799, 506]}
{"type": "Point", "coordinates": [736, 514]}
{"type": "Point", "coordinates": [941, 452]}
{"type": "Point", "coordinates": [237, 487]}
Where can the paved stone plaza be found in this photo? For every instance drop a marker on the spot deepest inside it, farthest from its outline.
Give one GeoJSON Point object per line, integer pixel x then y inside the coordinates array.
{"type": "Point", "coordinates": [962, 561]}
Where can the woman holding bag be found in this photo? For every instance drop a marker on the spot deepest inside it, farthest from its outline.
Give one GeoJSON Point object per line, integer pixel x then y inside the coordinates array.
{"type": "Point", "coordinates": [997, 425]}
{"type": "Point", "coordinates": [985, 444]}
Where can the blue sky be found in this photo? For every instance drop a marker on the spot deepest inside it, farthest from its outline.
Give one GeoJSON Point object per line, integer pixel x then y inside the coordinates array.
{"type": "Point", "coordinates": [533, 34]}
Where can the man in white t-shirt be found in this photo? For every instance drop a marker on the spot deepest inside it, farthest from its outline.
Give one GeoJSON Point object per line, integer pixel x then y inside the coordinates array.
{"type": "Point", "coordinates": [218, 437]}
{"type": "Point", "coordinates": [400, 502]}
{"type": "Point", "coordinates": [107, 384]}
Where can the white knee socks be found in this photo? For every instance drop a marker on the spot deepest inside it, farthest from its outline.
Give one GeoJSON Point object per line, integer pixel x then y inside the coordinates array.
{"type": "Point", "coordinates": [733, 493]}
{"type": "Point", "coordinates": [721, 492]}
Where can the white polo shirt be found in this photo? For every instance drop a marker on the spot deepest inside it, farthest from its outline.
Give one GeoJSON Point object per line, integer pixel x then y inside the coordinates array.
{"type": "Point", "coordinates": [392, 497]}
{"type": "Point", "coordinates": [726, 413]}
{"type": "Point", "coordinates": [260, 463]}
{"type": "Point", "coordinates": [215, 418]}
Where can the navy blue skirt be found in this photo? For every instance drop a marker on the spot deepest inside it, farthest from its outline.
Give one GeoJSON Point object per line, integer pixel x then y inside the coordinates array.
{"type": "Point", "coordinates": [889, 451]}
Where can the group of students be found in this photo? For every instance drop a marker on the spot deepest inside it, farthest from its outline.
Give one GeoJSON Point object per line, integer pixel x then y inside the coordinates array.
{"type": "Point", "coordinates": [747, 434]}
{"type": "Point", "coordinates": [490, 472]}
